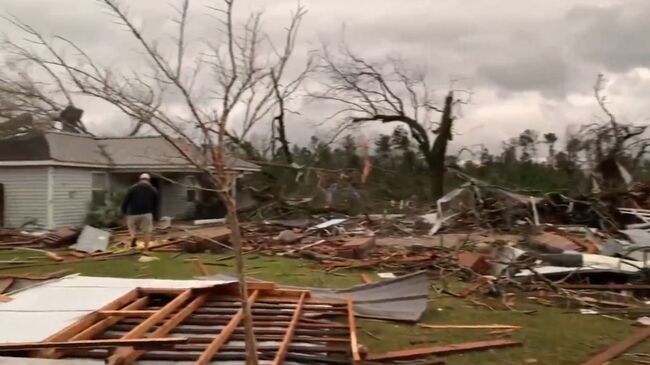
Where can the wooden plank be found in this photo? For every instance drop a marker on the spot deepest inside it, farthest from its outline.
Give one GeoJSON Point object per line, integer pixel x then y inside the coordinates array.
{"type": "Point", "coordinates": [203, 270]}
{"type": "Point", "coordinates": [354, 344]}
{"type": "Point", "coordinates": [5, 298]}
{"type": "Point", "coordinates": [5, 284]}
{"type": "Point", "coordinates": [131, 356]}
{"type": "Point", "coordinates": [128, 313]}
{"type": "Point", "coordinates": [215, 345]}
{"type": "Point", "coordinates": [291, 330]}
{"type": "Point", "coordinates": [365, 278]}
{"type": "Point", "coordinates": [99, 327]}
{"type": "Point", "coordinates": [442, 349]}
{"type": "Point", "coordinates": [475, 326]}
{"type": "Point", "coordinates": [138, 342]}
{"type": "Point", "coordinates": [86, 321]}
{"type": "Point", "coordinates": [283, 293]}
{"type": "Point", "coordinates": [147, 324]}
{"type": "Point", "coordinates": [619, 348]}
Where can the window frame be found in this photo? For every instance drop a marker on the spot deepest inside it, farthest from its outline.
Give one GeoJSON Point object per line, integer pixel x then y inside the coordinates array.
{"type": "Point", "coordinates": [96, 202]}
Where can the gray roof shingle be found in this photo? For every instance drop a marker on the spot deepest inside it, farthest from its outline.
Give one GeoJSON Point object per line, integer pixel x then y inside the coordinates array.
{"type": "Point", "coordinates": [121, 152]}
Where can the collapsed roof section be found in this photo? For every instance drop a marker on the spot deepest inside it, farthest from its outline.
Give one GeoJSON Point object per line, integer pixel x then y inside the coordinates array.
{"type": "Point", "coordinates": [127, 321]}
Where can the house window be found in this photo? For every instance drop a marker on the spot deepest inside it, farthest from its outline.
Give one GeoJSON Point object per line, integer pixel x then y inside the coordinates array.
{"type": "Point", "coordinates": [191, 189]}
{"type": "Point", "coordinates": [98, 198]}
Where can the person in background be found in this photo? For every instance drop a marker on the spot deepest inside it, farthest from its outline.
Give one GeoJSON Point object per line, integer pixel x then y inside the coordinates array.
{"type": "Point", "coordinates": [141, 206]}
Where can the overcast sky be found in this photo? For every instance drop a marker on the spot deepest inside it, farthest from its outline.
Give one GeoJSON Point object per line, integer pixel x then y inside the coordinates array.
{"type": "Point", "coordinates": [531, 64]}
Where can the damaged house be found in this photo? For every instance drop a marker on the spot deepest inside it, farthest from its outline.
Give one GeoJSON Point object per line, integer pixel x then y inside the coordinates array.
{"type": "Point", "coordinates": [54, 179]}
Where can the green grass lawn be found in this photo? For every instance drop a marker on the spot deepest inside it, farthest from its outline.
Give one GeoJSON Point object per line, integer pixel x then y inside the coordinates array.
{"type": "Point", "coordinates": [550, 336]}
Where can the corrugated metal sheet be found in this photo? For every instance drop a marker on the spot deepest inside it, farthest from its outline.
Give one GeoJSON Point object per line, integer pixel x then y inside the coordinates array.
{"type": "Point", "coordinates": [25, 190]}
{"type": "Point", "coordinates": [401, 299]}
{"type": "Point", "coordinates": [58, 303]}
{"type": "Point", "coordinates": [71, 196]}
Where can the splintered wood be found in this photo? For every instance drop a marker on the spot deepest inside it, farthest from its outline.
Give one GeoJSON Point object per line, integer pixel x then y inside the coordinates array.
{"type": "Point", "coordinates": [204, 326]}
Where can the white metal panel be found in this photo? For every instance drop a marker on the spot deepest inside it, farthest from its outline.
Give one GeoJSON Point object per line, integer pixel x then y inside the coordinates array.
{"type": "Point", "coordinates": [25, 190]}
{"type": "Point", "coordinates": [71, 196]}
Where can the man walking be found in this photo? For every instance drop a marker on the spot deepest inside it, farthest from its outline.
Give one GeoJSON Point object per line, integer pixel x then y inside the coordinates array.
{"type": "Point", "coordinates": [140, 206]}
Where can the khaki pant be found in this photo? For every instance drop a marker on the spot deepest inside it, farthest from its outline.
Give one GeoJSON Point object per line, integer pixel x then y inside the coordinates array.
{"type": "Point", "coordinates": [141, 223]}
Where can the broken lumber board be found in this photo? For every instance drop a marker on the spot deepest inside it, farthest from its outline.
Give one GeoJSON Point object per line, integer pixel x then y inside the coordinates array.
{"type": "Point", "coordinates": [128, 313]}
{"type": "Point", "coordinates": [365, 278]}
{"type": "Point", "coordinates": [354, 344]}
{"type": "Point", "coordinates": [356, 248]}
{"type": "Point", "coordinates": [474, 262]}
{"type": "Point", "coordinates": [470, 326]}
{"type": "Point", "coordinates": [5, 298]}
{"type": "Point", "coordinates": [5, 284]}
{"type": "Point", "coordinates": [619, 348]}
{"type": "Point", "coordinates": [136, 342]}
{"type": "Point", "coordinates": [201, 267]}
{"type": "Point", "coordinates": [443, 349]}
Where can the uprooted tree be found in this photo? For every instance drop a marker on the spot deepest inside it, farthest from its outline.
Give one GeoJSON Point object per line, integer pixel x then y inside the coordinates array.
{"type": "Point", "coordinates": [229, 79]}
{"type": "Point", "coordinates": [389, 93]}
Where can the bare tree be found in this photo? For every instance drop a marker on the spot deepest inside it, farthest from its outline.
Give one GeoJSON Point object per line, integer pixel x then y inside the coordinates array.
{"type": "Point", "coordinates": [34, 104]}
{"type": "Point", "coordinates": [388, 93]}
{"type": "Point", "coordinates": [611, 139]}
{"type": "Point", "coordinates": [226, 77]}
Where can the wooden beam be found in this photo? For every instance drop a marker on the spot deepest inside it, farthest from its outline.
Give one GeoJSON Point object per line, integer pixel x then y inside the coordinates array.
{"type": "Point", "coordinates": [203, 270]}
{"type": "Point", "coordinates": [147, 324]}
{"type": "Point", "coordinates": [164, 330]}
{"type": "Point", "coordinates": [87, 321]}
{"type": "Point", "coordinates": [283, 293]}
{"type": "Point", "coordinates": [618, 348]}
{"type": "Point", "coordinates": [5, 298]}
{"type": "Point", "coordinates": [442, 349]}
{"type": "Point", "coordinates": [93, 344]}
{"type": "Point", "coordinates": [5, 284]}
{"type": "Point", "coordinates": [365, 278]}
{"type": "Point", "coordinates": [291, 330]}
{"type": "Point", "coordinates": [128, 313]}
{"type": "Point", "coordinates": [469, 326]}
{"type": "Point", "coordinates": [218, 341]}
{"type": "Point", "coordinates": [101, 326]}
{"type": "Point", "coordinates": [354, 344]}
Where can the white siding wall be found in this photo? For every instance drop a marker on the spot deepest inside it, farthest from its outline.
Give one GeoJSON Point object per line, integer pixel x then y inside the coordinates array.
{"type": "Point", "coordinates": [25, 190]}
{"type": "Point", "coordinates": [173, 201]}
{"type": "Point", "coordinates": [71, 196]}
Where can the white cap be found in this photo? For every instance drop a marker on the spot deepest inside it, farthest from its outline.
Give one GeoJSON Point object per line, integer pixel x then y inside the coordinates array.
{"type": "Point", "coordinates": [145, 176]}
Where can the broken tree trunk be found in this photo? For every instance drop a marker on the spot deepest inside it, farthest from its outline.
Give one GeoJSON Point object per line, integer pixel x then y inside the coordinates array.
{"type": "Point", "coordinates": [436, 157]}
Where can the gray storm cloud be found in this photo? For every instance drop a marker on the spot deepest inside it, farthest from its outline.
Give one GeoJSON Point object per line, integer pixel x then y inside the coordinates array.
{"type": "Point", "coordinates": [530, 64]}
